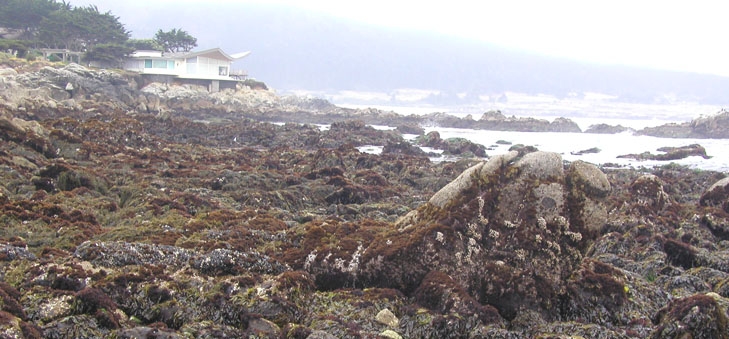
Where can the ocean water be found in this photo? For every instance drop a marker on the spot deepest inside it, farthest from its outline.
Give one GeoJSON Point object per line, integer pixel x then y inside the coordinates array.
{"type": "Point", "coordinates": [610, 145]}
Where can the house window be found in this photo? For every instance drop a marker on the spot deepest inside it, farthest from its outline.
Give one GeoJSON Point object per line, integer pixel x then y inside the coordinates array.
{"type": "Point", "coordinates": [159, 64]}
{"type": "Point", "coordinates": [222, 70]}
{"type": "Point", "coordinates": [147, 63]}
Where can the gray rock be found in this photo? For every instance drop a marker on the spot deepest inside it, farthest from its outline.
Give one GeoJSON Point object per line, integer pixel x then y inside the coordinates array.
{"type": "Point", "coordinates": [4, 72]}
{"type": "Point", "coordinates": [457, 186]}
{"type": "Point", "coordinates": [717, 195]}
{"type": "Point", "coordinates": [386, 317]}
{"type": "Point", "coordinates": [588, 189]}
{"type": "Point", "coordinates": [147, 332]}
{"type": "Point", "coordinates": [589, 179]}
{"type": "Point", "coordinates": [549, 200]}
{"type": "Point", "coordinates": [264, 328]}
{"type": "Point", "coordinates": [542, 166]}
{"type": "Point", "coordinates": [648, 189]}
{"type": "Point", "coordinates": [318, 334]}
{"type": "Point", "coordinates": [8, 253]}
{"type": "Point", "coordinates": [217, 261]}
{"type": "Point", "coordinates": [230, 262]}
{"type": "Point", "coordinates": [390, 334]}
{"type": "Point", "coordinates": [116, 254]}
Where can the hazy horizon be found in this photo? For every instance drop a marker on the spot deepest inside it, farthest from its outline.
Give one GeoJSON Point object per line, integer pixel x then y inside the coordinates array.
{"type": "Point", "coordinates": [458, 54]}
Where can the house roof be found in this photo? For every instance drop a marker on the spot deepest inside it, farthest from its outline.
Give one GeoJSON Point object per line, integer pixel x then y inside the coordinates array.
{"type": "Point", "coordinates": [240, 55]}
{"type": "Point", "coordinates": [216, 53]}
{"type": "Point", "coordinates": [146, 53]}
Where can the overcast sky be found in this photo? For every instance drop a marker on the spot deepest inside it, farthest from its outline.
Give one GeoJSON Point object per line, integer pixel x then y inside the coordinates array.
{"type": "Point", "coordinates": [674, 35]}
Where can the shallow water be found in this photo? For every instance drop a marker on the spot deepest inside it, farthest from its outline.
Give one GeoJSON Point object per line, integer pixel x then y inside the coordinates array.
{"type": "Point", "coordinates": [611, 146]}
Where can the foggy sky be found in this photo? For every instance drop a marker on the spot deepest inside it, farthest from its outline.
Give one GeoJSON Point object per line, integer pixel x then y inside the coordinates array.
{"type": "Point", "coordinates": [671, 35]}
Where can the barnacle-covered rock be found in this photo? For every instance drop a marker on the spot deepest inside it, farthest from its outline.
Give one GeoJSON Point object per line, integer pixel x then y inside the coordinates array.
{"type": "Point", "coordinates": [503, 230]}
{"type": "Point", "coordinates": [588, 190]}
{"type": "Point", "coordinates": [717, 195]}
{"type": "Point", "coordinates": [698, 316]}
{"type": "Point", "coordinates": [116, 254]}
{"type": "Point", "coordinates": [10, 252]}
{"type": "Point", "coordinates": [648, 190]}
{"type": "Point", "coordinates": [217, 261]}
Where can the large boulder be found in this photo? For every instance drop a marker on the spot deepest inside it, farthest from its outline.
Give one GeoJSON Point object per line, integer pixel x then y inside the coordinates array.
{"type": "Point", "coordinates": [28, 133]}
{"type": "Point", "coordinates": [588, 188]}
{"type": "Point", "coordinates": [510, 232]}
{"type": "Point", "coordinates": [648, 194]}
{"type": "Point", "coordinates": [717, 195]}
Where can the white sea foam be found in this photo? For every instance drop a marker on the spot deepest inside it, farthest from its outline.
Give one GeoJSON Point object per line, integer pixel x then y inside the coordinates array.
{"type": "Point", "coordinates": [610, 145]}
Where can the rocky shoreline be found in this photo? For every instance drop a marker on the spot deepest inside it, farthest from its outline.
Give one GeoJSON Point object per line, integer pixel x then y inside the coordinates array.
{"type": "Point", "coordinates": [142, 213]}
{"type": "Point", "coordinates": [39, 87]}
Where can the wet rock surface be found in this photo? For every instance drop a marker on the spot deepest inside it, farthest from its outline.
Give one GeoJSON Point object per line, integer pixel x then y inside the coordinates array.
{"type": "Point", "coordinates": [451, 146]}
{"type": "Point", "coordinates": [138, 224]}
{"type": "Point", "coordinates": [671, 153]}
{"type": "Point", "coordinates": [606, 129]}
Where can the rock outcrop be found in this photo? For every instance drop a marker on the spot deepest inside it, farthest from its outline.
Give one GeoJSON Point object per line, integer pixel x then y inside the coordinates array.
{"type": "Point", "coordinates": [717, 195]}
{"type": "Point", "coordinates": [606, 129]}
{"type": "Point", "coordinates": [495, 120]}
{"type": "Point", "coordinates": [451, 146]}
{"type": "Point", "coordinates": [670, 153]}
{"type": "Point", "coordinates": [509, 231]}
{"type": "Point", "coordinates": [709, 127]}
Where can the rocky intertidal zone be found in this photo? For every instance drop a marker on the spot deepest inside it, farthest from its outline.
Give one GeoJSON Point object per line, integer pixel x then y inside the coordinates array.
{"type": "Point", "coordinates": [130, 223]}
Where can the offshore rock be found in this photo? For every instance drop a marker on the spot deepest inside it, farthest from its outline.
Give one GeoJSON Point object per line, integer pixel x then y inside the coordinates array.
{"type": "Point", "coordinates": [711, 127]}
{"type": "Point", "coordinates": [671, 153]}
{"type": "Point", "coordinates": [606, 129]}
{"type": "Point", "coordinates": [451, 146]}
{"type": "Point", "coordinates": [495, 120]}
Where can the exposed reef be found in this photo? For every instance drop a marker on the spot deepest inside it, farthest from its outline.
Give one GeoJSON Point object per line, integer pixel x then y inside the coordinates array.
{"type": "Point", "coordinates": [671, 153]}
{"type": "Point", "coordinates": [706, 127]}
{"type": "Point", "coordinates": [606, 129]}
{"type": "Point", "coordinates": [122, 221]}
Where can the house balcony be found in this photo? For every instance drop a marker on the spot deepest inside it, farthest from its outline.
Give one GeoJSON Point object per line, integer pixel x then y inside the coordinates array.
{"type": "Point", "coordinates": [238, 74]}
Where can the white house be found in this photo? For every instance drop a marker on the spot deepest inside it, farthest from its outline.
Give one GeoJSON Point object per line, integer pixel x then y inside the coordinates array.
{"type": "Point", "coordinates": [211, 68]}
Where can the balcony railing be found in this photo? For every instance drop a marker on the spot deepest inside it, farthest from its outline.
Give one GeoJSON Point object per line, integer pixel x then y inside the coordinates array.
{"type": "Point", "coordinates": [238, 74]}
